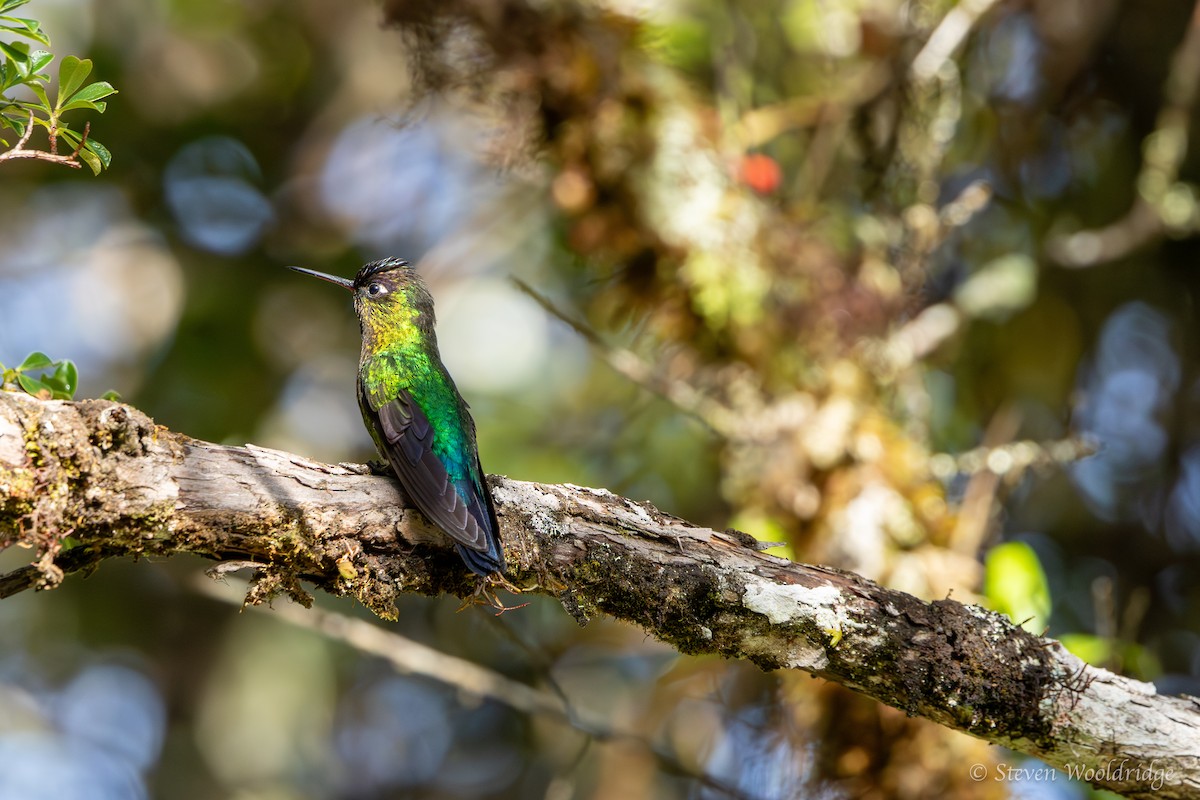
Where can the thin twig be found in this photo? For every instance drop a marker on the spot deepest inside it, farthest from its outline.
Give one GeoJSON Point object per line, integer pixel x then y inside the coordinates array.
{"type": "Point", "coordinates": [19, 150]}
{"type": "Point", "coordinates": [947, 37]}
{"type": "Point", "coordinates": [682, 395]}
{"type": "Point", "coordinates": [409, 657]}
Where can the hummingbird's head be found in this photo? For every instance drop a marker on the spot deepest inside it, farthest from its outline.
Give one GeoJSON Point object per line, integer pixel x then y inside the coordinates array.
{"type": "Point", "coordinates": [389, 297]}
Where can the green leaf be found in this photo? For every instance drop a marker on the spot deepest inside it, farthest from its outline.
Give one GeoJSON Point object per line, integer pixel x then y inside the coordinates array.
{"type": "Point", "coordinates": [94, 154]}
{"type": "Point", "coordinates": [71, 75]}
{"type": "Point", "coordinates": [18, 52]}
{"type": "Point", "coordinates": [65, 379]}
{"type": "Point", "coordinates": [92, 92]}
{"type": "Point", "coordinates": [29, 28]}
{"type": "Point", "coordinates": [92, 160]}
{"type": "Point", "coordinates": [9, 5]}
{"type": "Point", "coordinates": [111, 394]}
{"type": "Point", "coordinates": [17, 124]}
{"type": "Point", "coordinates": [1016, 585]}
{"type": "Point", "coordinates": [1092, 649]}
{"type": "Point", "coordinates": [33, 386]}
{"type": "Point", "coordinates": [39, 59]}
{"type": "Point", "coordinates": [100, 151]}
{"type": "Point", "coordinates": [55, 385]}
{"type": "Point", "coordinates": [74, 104]}
{"type": "Point", "coordinates": [39, 91]}
{"type": "Point", "coordinates": [35, 360]}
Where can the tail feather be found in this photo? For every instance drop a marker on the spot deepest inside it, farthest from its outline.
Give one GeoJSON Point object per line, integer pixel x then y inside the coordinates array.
{"type": "Point", "coordinates": [483, 563]}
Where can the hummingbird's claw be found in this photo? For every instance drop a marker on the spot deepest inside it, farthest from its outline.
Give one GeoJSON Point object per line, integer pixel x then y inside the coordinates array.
{"type": "Point", "coordinates": [485, 594]}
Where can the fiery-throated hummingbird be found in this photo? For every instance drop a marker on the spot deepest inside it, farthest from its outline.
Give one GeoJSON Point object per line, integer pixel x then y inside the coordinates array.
{"type": "Point", "coordinates": [419, 421]}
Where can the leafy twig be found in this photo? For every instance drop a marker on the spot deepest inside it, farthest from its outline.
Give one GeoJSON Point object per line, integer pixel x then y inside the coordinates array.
{"type": "Point", "coordinates": [20, 151]}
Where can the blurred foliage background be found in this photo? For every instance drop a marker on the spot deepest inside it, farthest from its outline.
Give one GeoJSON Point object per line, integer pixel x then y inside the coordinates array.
{"type": "Point", "coordinates": [837, 277]}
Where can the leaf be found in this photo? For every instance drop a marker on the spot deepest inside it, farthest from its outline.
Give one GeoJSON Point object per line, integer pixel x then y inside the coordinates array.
{"type": "Point", "coordinates": [34, 387]}
{"type": "Point", "coordinates": [35, 360]}
{"type": "Point", "coordinates": [9, 5]}
{"type": "Point", "coordinates": [101, 152]}
{"type": "Point", "coordinates": [39, 59]}
{"type": "Point", "coordinates": [1090, 648]}
{"type": "Point", "coordinates": [72, 376]}
{"type": "Point", "coordinates": [18, 52]}
{"type": "Point", "coordinates": [65, 379]}
{"type": "Point", "coordinates": [74, 104]}
{"type": "Point", "coordinates": [39, 91]}
{"type": "Point", "coordinates": [29, 28]}
{"type": "Point", "coordinates": [71, 75]}
{"type": "Point", "coordinates": [91, 159]}
{"type": "Point", "coordinates": [111, 394]}
{"type": "Point", "coordinates": [17, 124]}
{"type": "Point", "coordinates": [92, 92]}
{"type": "Point", "coordinates": [1015, 584]}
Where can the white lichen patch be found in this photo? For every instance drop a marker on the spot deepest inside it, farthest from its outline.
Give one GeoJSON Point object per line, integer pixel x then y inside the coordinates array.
{"type": "Point", "coordinates": [590, 490]}
{"type": "Point", "coordinates": [523, 494]}
{"type": "Point", "coordinates": [821, 606]}
{"type": "Point", "coordinates": [796, 655]}
{"type": "Point", "coordinates": [542, 509]}
{"type": "Point", "coordinates": [12, 445]}
{"type": "Point", "coordinates": [639, 512]}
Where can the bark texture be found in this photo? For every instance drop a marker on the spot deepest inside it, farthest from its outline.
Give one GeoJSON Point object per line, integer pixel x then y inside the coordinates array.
{"type": "Point", "coordinates": [84, 481]}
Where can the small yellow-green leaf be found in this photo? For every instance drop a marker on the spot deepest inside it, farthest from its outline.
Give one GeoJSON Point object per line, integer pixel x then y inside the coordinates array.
{"type": "Point", "coordinates": [40, 92]}
{"type": "Point", "coordinates": [71, 75]}
{"type": "Point", "coordinates": [36, 360]}
{"type": "Point", "coordinates": [93, 92]}
{"type": "Point", "coordinates": [34, 387]}
{"type": "Point", "coordinates": [1015, 584]}
{"type": "Point", "coordinates": [71, 376]}
{"type": "Point", "coordinates": [39, 59]}
{"type": "Point", "coordinates": [90, 158]}
{"type": "Point", "coordinates": [1092, 649]}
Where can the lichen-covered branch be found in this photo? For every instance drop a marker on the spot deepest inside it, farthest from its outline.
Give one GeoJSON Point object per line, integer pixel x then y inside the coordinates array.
{"type": "Point", "coordinates": [84, 481]}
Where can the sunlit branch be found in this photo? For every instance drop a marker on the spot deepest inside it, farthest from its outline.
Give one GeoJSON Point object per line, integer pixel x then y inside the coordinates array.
{"type": "Point", "coordinates": [120, 486]}
{"type": "Point", "coordinates": [19, 150]}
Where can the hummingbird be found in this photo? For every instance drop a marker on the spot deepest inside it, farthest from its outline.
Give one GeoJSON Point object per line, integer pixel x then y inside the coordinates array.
{"type": "Point", "coordinates": [417, 418]}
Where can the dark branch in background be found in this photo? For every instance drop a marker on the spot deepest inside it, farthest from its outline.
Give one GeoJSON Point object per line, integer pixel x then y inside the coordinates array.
{"type": "Point", "coordinates": [409, 657]}
{"type": "Point", "coordinates": [1162, 204]}
{"type": "Point", "coordinates": [85, 481]}
{"type": "Point", "coordinates": [628, 364]}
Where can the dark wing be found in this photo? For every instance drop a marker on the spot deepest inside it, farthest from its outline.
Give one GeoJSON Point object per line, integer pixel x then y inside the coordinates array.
{"type": "Point", "coordinates": [407, 437]}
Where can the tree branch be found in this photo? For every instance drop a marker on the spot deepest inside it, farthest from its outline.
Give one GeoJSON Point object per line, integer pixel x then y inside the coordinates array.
{"type": "Point", "coordinates": [104, 475]}
{"type": "Point", "coordinates": [20, 151]}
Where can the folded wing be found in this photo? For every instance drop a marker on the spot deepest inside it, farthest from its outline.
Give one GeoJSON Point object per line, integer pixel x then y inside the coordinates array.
{"type": "Point", "coordinates": [459, 507]}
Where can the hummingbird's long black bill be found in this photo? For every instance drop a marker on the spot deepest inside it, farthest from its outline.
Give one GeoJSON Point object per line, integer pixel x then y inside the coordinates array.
{"type": "Point", "coordinates": [345, 283]}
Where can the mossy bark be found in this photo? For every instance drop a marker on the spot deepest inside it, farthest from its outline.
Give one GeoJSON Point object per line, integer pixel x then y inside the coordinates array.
{"type": "Point", "coordinates": [85, 481]}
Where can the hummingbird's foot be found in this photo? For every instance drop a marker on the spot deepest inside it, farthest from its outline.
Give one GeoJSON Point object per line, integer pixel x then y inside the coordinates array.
{"type": "Point", "coordinates": [485, 594]}
{"type": "Point", "coordinates": [379, 467]}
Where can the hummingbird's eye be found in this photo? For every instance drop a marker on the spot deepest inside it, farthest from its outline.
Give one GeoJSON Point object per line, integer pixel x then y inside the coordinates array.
{"type": "Point", "coordinates": [376, 289]}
